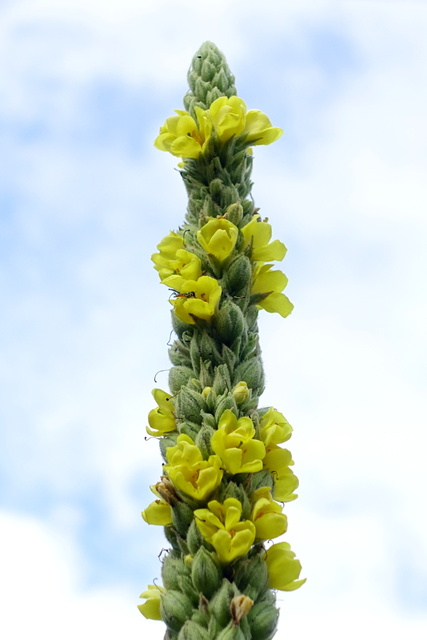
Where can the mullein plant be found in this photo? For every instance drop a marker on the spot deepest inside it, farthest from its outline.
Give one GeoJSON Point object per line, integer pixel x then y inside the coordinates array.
{"type": "Point", "coordinates": [225, 472]}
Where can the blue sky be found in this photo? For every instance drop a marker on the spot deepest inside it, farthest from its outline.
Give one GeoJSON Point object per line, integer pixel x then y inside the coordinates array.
{"type": "Point", "coordinates": [85, 198]}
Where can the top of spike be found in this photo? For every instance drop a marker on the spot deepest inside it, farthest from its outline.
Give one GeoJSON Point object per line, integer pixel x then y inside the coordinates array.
{"type": "Point", "coordinates": [209, 78]}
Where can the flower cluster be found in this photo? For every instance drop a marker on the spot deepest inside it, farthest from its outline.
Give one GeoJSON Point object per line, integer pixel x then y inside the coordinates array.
{"type": "Point", "coordinates": [188, 137]}
{"type": "Point", "coordinates": [225, 474]}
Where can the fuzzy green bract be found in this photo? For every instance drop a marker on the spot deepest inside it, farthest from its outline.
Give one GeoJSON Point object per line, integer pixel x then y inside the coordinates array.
{"type": "Point", "coordinates": [224, 471]}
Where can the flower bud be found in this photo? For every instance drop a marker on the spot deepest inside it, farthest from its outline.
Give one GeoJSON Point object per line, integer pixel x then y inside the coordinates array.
{"type": "Point", "coordinates": [209, 350]}
{"type": "Point", "coordinates": [222, 381]}
{"type": "Point", "coordinates": [175, 608]}
{"type": "Point", "coordinates": [182, 516]}
{"type": "Point", "coordinates": [178, 378]}
{"type": "Point", "coordinates": [203, 441]}
{"type": "Point", "coordinates": [181, 328]}
{"type": "Point", "coordinates": [230, 322]}
{"type": "Point", "coordinates": [231, 632]}
{"type": "Point", "coordinates": [189, 404]}
{"type": "Point", "coordinates": [251, 576]}
{"type": "Point", "coordinates": [225, 403]}
{"type": "Point", "coordinates": [219, 605]}
{"type": "Point", "coordinates": [252, 373]}
{"type": "Point", "coordinates": [172, 569]}
{"type": "Point", "coordinates": [205, 572]}
{"type": "Point", "coordinates": [263, 621]}
{"type": "Point", "coordinates": [234, 213]}
{"type": "Point", "coordinates": [166, 490]}
{"type": "Point", "coordinates": [238, 277]}
{"type": "Point", "coordinates": [194, 539]}
{"type": "Point", "coordinates": [241, 392]}
{"type": "Point", "coordinates": [192, 631]}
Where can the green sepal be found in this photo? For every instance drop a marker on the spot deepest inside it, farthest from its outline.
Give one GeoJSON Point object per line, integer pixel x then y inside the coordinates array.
{"type": "Point", "coordinates": [175, 608]}
{"type": "Point", "coordinates": [238, 277]}
{"type": "Point", "coordinates": [249, 346]}
{"type": "Point", "coordinates": [251, 576]}
{"type": "Point", "coordinates": [228, 358]}
{"type": "Point", "coordinates": [252, 373]}
{"type": "Point", "coordinates": [195, 353]}
{"type": "Point", "coordinates": [170, 635]}
{"type": "Point", "coordinates": [173, 568]}
{"type": "Point", "coordinates": [189, 404]}
{"type": "Point", "coordinates": [179, 354]}
{"type": "Point", "coordinates": [229, 322]}
{"type": "Point", "coordinates": [201, 617]}
{"type": "Point", "coordinates": [195, 540]}
{"type": "Point", "coordinates": [222, 380]}
{"type": "Point", "coordinates": [203, 440]}
{"type": "Point", "coordinates": [190, 429]}
{"type": "Point", "coordinates": [178, 543]}
{"type": "Point", "coordinates": [219, 606]}
{"type": "Point", "coordinates": [232, 632]}
{"type": "Point", "coordinates": [192, 631]}
{"type": "Point", "coordinates": [205, 572]}
{"type": "Point", "coordinates": [205, 375]}
{"type": "Point", "coordinates": [263, 621]}
{"type": "Point", "coordinates": [234, 213]}
{"type": "Point", "coordinates": [209, 350]}
{"type": "Point", "coordinates": [182, 517]}
{"type": "Point", "coordinates": [186, 586]}
{"type": "Point", "coordinates": [178, 377]}
{"type": "Point", "coordinates": [182, 329]}
{"type": "Point", "coordinates": [257, 480]}
{"type": "Point", "coordinates": [208, 418]}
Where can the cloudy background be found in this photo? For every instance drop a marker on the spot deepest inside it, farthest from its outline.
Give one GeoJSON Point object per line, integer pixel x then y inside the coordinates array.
{"type": "Point", "coordinates": [84, 87]}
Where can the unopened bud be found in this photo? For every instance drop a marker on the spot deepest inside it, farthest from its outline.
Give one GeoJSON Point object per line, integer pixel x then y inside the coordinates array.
{"type": "Point", "coordinates": [176, 608]}
{"type": "Point", "coordinates": [234, 213]}
{"type": "Point", "coordinates": [205, 572]}
{"type": "Point", "coordinates": [203, 441]}
{"type": "Point", "coordinates": [251, 576]}
{"type": "Point", "coordinates": [192, 631]}
{"type": "Point", "coordinates": [238, 277]}
{"type": "Point", "coordinates": [222, 381]}
{"type": "Point", "coordinates": [252, 373]}
{"type": "Point", "coordinates": [194, 538]}
{"type": "Point", "coordinates": [230, 322]}
{"type": "Point", "coordinates": [263, 621]}
{"type": "Point", "coordinates": [178, 377]}
{"type": "Point", "coordinates": [182, 516]}
{"type": "Point", "coordinates": [172, 568]}
{"type": "Point", "coordinates": [241, 392]}
{"type": "Point", "coordinates": [225, 403]}
{"type": "Point", "coordinates": [219, 605]}
{"type": "Point", "coordinates": [231, 632]}
{"type": "Point", "coordinates": [189, 404]}
{"type": "Point", "coordinates": [208, 350]}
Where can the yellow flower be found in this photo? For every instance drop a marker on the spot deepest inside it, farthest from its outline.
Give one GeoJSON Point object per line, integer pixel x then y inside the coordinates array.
{"type": "Point", "coordinates": [188, 471]}
{"type": "Point", "coordinates": [277, 461]}
{"type": "Point", "coordinates": [228, 116]}
{"type": "Point", "coordinates": [197, 299]}
{"type": "Point", "coordinates": [220, 525]}
{"type": "Point", "coordinates": [218, 237]}
{"type": "Point", "coordinates": [151, 608]}
{"type": "Point", "coordinates": [235, 444]}
{"type": "Point", "coordinates": [267, 515]}
{"type": "Point", "coordinates": [260, 234]}
{"type": "Point", "coordinates": [283, 568]}
{"type": "Point", "coordinates": [271, 283]}
{"type": "Point", "coordinates": [158, 512]}
{"type": "Point", "coordinates": [161, 419]}
{"type": "Point", "coordinates": [182, 136]}
{"type": "Point", "coordinates": [259, 129]}
{"type": "Point", "coordinates": [274, 428]}
{"type": "Point", "coordinates": [241, 392]}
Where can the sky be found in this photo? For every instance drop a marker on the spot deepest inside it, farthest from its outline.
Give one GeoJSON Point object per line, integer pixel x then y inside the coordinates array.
{"type": "Point", "coordinates": [85, 198]}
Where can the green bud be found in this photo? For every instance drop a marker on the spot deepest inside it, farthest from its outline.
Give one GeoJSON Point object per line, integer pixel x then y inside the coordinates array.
{"type": "Point", "coordinates": [175, 608]}
{"type": "Point", "coordinates": [173, 568]}
{"type": "Point", "coordinates": [182, 516]}
{"type": "Point", "coordinates": [190, 429]}
{"type": "Point", "coordinates": [252, 317]}
{"type": "Point", "coordinates": [205, 376]}
{"type": "Point", "coordinates": [182, 329]}
{"type": "Point", "coordinates": [232, 632]}
{"type": "Point", "coordinates": [172, 537]}
{"type": "Point", "coordinates": [229, 322]}
{"type": "Point", "coordinates": [179, 354]}
{"type": "Point", "coordinates": [234, 213]}
{"type": "Point", "coordinates": [189, 404]}
{"type": "Point", "coordinates": [209, 350]}
{"type": "Point", "coordinates": [227, 402]}
{"type": "Point", "coordinates": [252, 373]}
{"type": "Point", "coordinates": [210, 398]}
{"type": "Point", "coordinates": [203, 440]}
{"type": "Point", "coordinates": [251, 576]}
{"type": "Point", "coordinates": [170, 635]}
{"type": "Point", "coordinates": [195, 540]}
{"type": "Point", "coordinates": [187, 587]}
{"type": "Point", "coordinates": [222, 380]}
{"type": "Point", "coordinates": [192, 631]}
{"type": "Point", "coordinates": [195, 353]}
{"type": "Point", "coordinates": [178, 378]}
{"type": "Point", "coordinates": [228, 358]}
{"type": "Point", "coordinates": [205, 572]}
{"type": "Point", "coordinates": [201, 617]}
{"type": "Point", "coordinates": [263, 620]}
{"type": "Point", "coordinates": [219, 606]}
{"type": "Point", "coordinates": [238, 277]}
